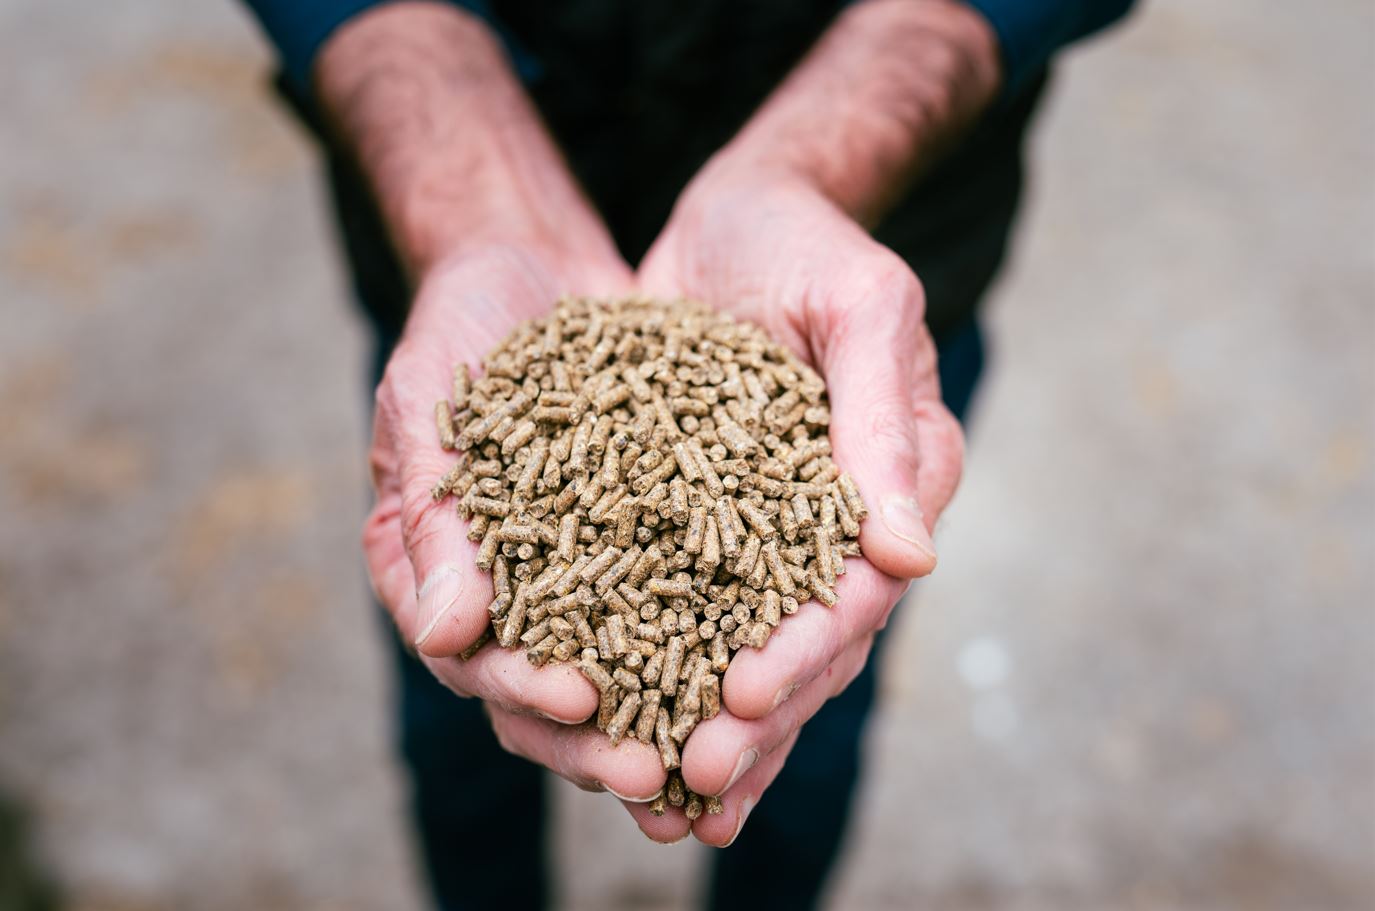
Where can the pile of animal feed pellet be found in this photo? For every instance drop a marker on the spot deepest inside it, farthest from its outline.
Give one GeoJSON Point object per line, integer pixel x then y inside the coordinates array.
{"type": "Point", "coordinates": [653, 490]}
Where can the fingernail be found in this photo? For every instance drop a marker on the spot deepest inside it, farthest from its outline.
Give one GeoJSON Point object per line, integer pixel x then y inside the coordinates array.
{"type": "Point", "coordinates": [903, 518]}
{"type": "Point", "coordinates": [746, 805]}
{"type": "Point", "coordinates": [742, 765]}
{"type": "Point", "coordinates": [437, 596]}
{"type": "Point", "coordinates": [613, 792]}
{"type": "Point", "coordinates": [785, 693]}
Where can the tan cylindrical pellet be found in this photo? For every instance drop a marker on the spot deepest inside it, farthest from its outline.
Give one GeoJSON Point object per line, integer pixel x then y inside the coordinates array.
{"type": "Point", "coordinates": [711, 696]}
{"type": "Point", "coordinates": [490, 507]}
{"type": "Point", "coordinates": [656, 475]}
{"type": "Point", "coordinates": [626, 680]}
{"type": "Point", "coordinates": [462, 386]}
{"type": "Point", "coordinates": [629, 509]}
{"type": "Point", "coordinates": [673, 662]}
{"type": "Point", "coordinates": [653, 668]}
{"type": "Point", "coordinates": [487, 551]}
{"type": "Point", "coordinates": [852, 498]}
{"type": "Point", "coordinates": [710, 478]}
{"type": "Point", "coordinates": [677, 791]}
{"type": "Point", "coordinates": [541, 586]}
{"type": "Point", "coordinates": [692, 807]}
{"type": "Point", "coordinates": [678, 501]}
{"type": "Point", "coordinates": [643, 566]}
{"type": "Point", "coordinates": [568, 536]}
{"type": "Point", "coordinates": [523, 433]}
{"type": "Point", "coordinates": [607, 704]}
{"type": "Point", "coordinates": [682, 727]}
{"type": "Point", "coordinates": [771, 611]}
{"type": "Point", "coordinates": [610, 472]}
{"type": "Point", "coordinates": [605, 503]}
{"type": "Point", "coordinates": [540, 653]}
{"type": "Point", "coordinates": [687, 464]}
{"type": "Point", "coordinates": [849, 526]}
{"type": "Point", "coordinates": [825, 565]}
{"type": "Point", "coordinates": [778, 569]}
{"type": "Point", "coordinates": [749, 556]}
{"type": "Point", "coordinates": [577, 459]}
{"type": "Point", "coordinates": [719, 652]}
{"type": "Point", "coordinates": [499, 606]}
{"type": "Point", "coordinates": [514, 622]}
{"type": "Point", "coordinates": [788, 520]}
{"type": "Point", "coordinates": [625, 714]}
{"type": "Point", "coordinates": [610, 398]}
{"type": "Point", "coordinates": [444, 422]}
{"type": "Point", "coordinates": [696, 530]}
{"type": "Point", "coordinates": [668, 588]}
{"type": "Point", "coordinates": [649, 713]}
{"type": "Point", "coordinates": [617, 641]}
{"type": "Point", "coordinates": [730, 544]}
{"type": "Point", "coordinates": [740, 443]}
{"type": "Point", "coordinates": [617, 571]}
{"type": "Point", "coordinates": [821, 591]}
{"type": "Point", "coordinates": [758, 520]}
{"type": "Point", "coordinates": [586, 638]}
{"type": "Point", "coordinates": [668, 750]}
{"type": "Point", "coordinates": [599, 564]}
{"type": "Point", "coordinates": [690, 699]}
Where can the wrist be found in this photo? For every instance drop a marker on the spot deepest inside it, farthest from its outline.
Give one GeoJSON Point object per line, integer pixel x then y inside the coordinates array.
{"type": "Point", "coordinates": [883, 94]}
{"type": "Point", "coordinates": [422, 96]}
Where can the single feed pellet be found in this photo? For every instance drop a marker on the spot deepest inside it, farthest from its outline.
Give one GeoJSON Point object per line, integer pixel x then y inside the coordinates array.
{"type": "Point", "coordinates": [652, 488]}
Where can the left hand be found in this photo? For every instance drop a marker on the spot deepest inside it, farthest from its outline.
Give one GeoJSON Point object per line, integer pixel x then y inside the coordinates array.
{"type": "Point", "coordinates": [771, 249]}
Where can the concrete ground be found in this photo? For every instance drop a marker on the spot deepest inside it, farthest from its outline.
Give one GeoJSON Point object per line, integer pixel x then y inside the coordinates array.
{"type": "Point", "coordinates": [1144, 676]}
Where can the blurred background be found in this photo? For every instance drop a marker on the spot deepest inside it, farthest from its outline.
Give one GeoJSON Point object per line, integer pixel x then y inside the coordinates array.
{"type": "Point", "coordinates": [1144, 676]}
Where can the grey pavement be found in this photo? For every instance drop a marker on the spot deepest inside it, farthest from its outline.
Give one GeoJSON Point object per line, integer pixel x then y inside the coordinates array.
{"type": "Point", "coordinates": [1143, 676]}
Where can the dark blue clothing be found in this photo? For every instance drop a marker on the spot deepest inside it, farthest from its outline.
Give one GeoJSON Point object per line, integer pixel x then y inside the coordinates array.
{"type": "Point", "coordinates": [1029, 32]}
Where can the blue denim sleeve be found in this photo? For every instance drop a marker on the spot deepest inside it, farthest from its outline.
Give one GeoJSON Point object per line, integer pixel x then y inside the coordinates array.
{"type": "Point", "coordinates": [298, 28]}
{"type": "Point", "coordinates": [1030, 31]}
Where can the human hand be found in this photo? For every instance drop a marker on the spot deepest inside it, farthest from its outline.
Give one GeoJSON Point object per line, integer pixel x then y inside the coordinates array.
{"type": "Point", "coordinates": [418, 554]}
{"type": "Point", "coordinates": [775, 251]}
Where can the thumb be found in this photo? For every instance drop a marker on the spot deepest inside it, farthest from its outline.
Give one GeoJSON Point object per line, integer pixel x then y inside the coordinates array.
{"type": "Point", "coordinates": [901, 447]}
{"type": "Point", "coordinates": [449, 593]}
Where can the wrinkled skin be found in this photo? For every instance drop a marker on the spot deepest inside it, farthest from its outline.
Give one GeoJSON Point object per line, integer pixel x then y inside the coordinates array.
{"type": "Point", "coordinates": [771, 251]}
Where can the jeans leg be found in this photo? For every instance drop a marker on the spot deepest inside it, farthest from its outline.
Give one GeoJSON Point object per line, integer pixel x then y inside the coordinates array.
{"type": "Point", "coordinates": [479, 812]}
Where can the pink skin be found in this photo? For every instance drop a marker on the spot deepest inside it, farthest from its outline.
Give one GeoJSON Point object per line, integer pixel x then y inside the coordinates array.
{"type": "Point", "coordinates": [773, 250]}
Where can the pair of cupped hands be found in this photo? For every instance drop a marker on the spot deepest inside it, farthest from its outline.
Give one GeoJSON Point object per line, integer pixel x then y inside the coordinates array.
{"type": "Point", "coordinates": [769, 249]}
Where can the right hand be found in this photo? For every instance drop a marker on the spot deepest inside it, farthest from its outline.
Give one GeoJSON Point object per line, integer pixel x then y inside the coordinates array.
{"type": "Point", "coordinates": [419, 557]}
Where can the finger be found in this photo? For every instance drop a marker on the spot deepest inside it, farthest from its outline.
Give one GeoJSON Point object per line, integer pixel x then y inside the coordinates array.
{"type": "Point", "coordinates": [875, 338]}
{"type": "Point", "coordinates": [584, 755]}
{"type": "Point", "coordinates": [720, 830]}
{"type": "Point", "coordinates": [667, 829]}
{"type": "Point", "coordinates": [505, 678]}
{"type": "Point", "coordinates": [807, 643]}
{"type": "Point", "coordinates": [445, 611]}
{"type": "Point", "coordinates": [722, 749]}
